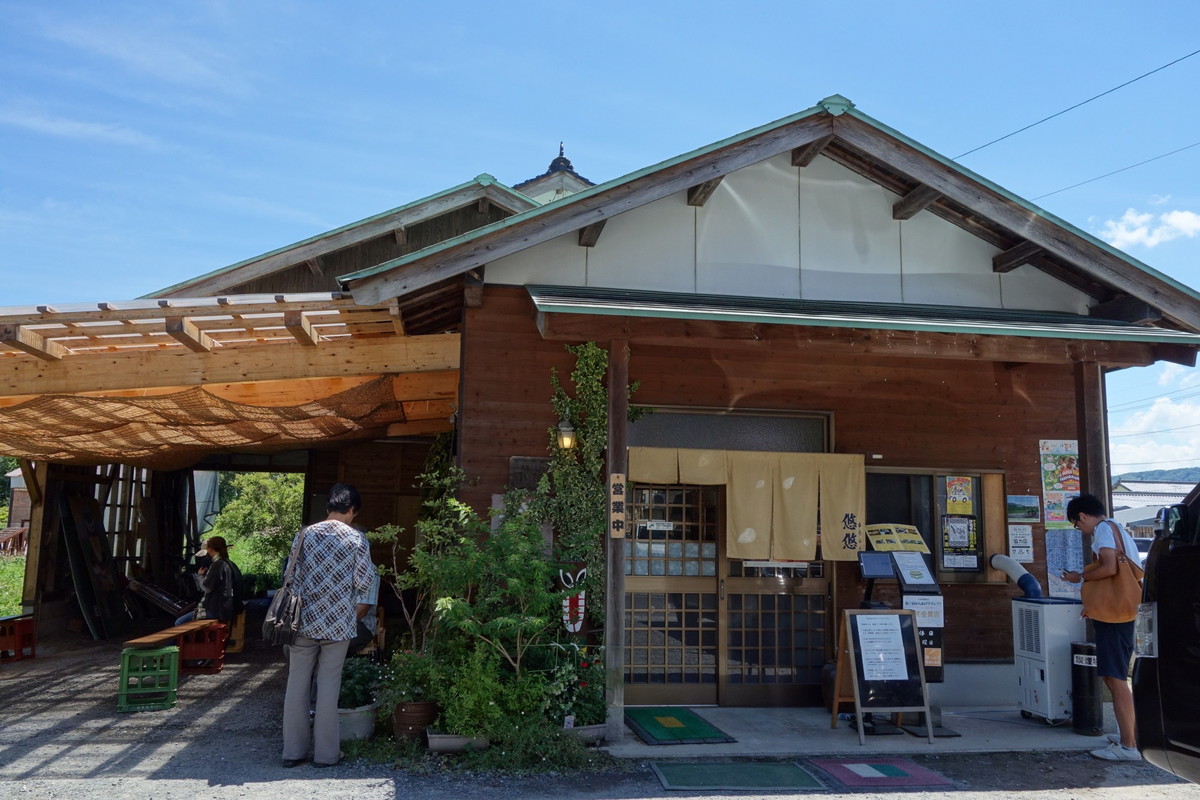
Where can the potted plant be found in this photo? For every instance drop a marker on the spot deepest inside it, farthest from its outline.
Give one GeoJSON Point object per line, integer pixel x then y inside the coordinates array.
{"type": "Point", "coordinates": [356, 700]}
{"type": "Point", "coordinates": [407, 691]}
{"type": "Point", "coordinates": [575, 695]}
{"type": "Point", "coordinates": [472, 704]}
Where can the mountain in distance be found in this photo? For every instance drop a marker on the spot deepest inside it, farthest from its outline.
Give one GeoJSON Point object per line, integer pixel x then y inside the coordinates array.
{"type": "Point", "coordinates": [1180, 475]}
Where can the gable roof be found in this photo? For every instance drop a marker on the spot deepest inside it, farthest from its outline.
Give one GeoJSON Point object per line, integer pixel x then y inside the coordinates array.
{"type": "Point", "coordinates": [481, 188]}
{"type": "Point", "coordinates": [1124, 287]}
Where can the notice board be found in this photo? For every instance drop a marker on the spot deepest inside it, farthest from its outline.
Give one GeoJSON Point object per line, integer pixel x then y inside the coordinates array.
{"type": "Point", "coordinates": [879, 664]}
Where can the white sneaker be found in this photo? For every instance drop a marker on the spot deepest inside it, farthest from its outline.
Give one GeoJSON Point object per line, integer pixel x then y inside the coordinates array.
{"type": "Point", "coordinates": [1115, 752]}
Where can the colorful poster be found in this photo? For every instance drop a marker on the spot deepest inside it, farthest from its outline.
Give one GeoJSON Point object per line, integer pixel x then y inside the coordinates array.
{"type": "Point", "coordinates": [960, 543]}
{"type": "Point", "coordinates": [958, 495]}
{"type": "Point", "coordinates": [1064, 553]}
{"type": "Point", "coordinates": [1060, 478]}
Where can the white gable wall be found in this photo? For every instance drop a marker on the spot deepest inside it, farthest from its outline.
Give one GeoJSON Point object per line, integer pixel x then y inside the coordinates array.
{"type": "Point", "coordinates": [774, 230]}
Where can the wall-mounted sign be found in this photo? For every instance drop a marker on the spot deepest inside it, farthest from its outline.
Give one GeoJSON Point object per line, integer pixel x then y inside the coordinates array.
{"type": "Point", "coordinates": [616, 505]}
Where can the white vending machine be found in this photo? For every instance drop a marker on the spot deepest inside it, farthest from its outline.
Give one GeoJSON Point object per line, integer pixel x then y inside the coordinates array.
{"type": "Point", "coordinates": [1043, 630]}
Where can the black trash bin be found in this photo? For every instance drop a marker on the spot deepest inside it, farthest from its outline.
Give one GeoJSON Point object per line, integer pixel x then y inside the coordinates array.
{"type": "Point", "coordinates": [1087, 711]}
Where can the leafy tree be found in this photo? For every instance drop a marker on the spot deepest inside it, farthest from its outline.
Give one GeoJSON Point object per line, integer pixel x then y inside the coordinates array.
{"type": "Point", "coordinates": [7, 464]}
{"type": "Point", "coordinates": [260, 519]}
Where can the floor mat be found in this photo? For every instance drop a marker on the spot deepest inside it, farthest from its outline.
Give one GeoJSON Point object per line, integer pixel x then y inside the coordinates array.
{"type": "Point", "coordinates": [877, 773]}
{"type": "Point", "coordinates": [673, 726]}
{"type": "Point", "coordinates": [736, 775]}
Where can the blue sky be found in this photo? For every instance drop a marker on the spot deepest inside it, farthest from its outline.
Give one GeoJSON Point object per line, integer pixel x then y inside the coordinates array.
{"type": "Point", "coordinates": [142, 143]}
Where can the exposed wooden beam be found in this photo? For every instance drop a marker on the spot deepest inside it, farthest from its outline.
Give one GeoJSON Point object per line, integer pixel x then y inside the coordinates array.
{"type": "Point", "coordinates": [440, 385]}
{"type": "Point", "coordinates": [589, 235]}
{"type": "Point", "coordinates": [22, 338]}
{"type": "Point", "coordinates": [29, 473]}
{"type": "Point", "coordinates": [300, 328]}
{"type": "Point", "coordinates": [1127, 309]}
{"type": "Point", "coordinates": [843, 341]}
{"type": "Point", "coordinates": [482, 205]}
{"type": "Point", "coordinates": [473, 288]}
{"type": "Point", "coordinates": [214, 307]}
{"type": "Point", "coordinates": [915, 201]}
{"type": "Point", "coordinates": [314, 266]}
{"type": "Point", "coordinates": [1176, 354]}
{"type": "Point", "coordinates": [394, 279]}
{"type": "Point", "coordinates": [397, 317]}
{"type": "Point", "coordinates": [803, 156]}
{"type": "Point", "coordinates": [181, 367]}
{"type": "Point", "coordinates": [1015, 257]}
{"type": "Point", "coordinates": [400, 236]}
{"type": "Point", "coordinates": [184, 331]}
{"type": "Point", "coordinates": [698, 195]}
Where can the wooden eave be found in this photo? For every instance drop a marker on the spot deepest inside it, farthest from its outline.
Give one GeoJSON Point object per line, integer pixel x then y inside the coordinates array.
{"type": "Point", "coordinates": [310, 251]}
{"type": "Point", "coordinates": [849, 138]}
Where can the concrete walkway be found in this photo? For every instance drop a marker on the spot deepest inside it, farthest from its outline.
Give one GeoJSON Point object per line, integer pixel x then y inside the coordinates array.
{"type": "Point", "coordinates": [787, 732]}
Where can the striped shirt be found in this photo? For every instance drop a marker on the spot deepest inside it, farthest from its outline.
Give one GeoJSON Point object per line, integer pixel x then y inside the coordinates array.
{"type": "Point", "coordinates": [333, 570]}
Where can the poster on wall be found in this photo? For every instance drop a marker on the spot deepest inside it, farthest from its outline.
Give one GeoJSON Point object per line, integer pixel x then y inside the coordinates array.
{"type": "Point", "coordinates": [1064, 553]}
{"type": "Point", "coordinates": [960, 543]}
{"type": "Point", "coordinates": [1020, 543]}
{"type": "Point", "coordinates": [958, 496]}
{"type": "Point", "coordinates": [1060, 478]}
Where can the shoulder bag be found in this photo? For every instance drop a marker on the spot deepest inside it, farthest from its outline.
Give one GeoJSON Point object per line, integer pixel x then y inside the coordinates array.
{"type": "Point", "coordinates": [283, 615]}
{"type": "Point", "coordinates": [1115, 598]}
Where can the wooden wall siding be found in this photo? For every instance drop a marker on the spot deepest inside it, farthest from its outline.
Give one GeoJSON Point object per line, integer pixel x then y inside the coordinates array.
{"type": "Point", "coordinates": [917, 413]}
{"type": "Point", "coordinates": [301, 278]}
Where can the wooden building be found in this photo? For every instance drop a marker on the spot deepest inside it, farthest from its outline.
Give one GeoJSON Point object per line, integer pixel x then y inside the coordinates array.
{"type": "Point", "coordinates": [819, 308]}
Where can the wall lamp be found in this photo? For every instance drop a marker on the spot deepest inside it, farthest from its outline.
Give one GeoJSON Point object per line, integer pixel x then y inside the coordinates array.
{"type": "Point", "coordinates": [566, 434]}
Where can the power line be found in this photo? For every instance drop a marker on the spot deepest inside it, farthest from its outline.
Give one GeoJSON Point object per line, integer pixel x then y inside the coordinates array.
{"type": "Point", "coordinates": [1077, 105]}
{"type": "Point", "coordinates": [1144, 463]}
{"type": "Point", "coordinates": [1154, 396]}
{"type": "Point", "coordinates": [1148, 433]}
{"type": "Point", "coordinates": [1115, 171]}
{"type": "Point", "coordinates": [1134, 405]}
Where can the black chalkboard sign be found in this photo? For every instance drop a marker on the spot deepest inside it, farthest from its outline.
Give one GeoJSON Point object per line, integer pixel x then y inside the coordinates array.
{"type": "Point", "coordinates": [879, 655]}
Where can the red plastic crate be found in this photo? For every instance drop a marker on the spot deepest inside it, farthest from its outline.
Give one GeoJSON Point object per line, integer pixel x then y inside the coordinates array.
{"type": "Point", "coordinates": [203, 651]}
{"type": "Point", "coordinates": [18, 638]}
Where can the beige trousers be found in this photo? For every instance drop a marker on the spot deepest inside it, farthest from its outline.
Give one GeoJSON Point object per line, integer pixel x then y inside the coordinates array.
{"type": "Point", "coordinates": [327, 657]}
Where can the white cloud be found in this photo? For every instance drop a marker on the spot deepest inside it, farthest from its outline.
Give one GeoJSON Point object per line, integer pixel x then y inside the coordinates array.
{"type": "Point", "coordinates": [76, 129]}
{"type": "Point", "coordinates": [1164, 436]}
{"type": "Point", "coordinates": [1150, 230]}
{"type": "Point", "coordinates": [159, 54]}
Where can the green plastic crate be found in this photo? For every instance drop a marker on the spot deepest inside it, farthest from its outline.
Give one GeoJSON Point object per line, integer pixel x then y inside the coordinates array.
{"type": "Point", "coordinates": [149, 679]}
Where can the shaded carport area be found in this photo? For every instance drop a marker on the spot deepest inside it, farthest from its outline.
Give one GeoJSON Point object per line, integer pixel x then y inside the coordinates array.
{"type": "Point", "coordinates": [109, 406]}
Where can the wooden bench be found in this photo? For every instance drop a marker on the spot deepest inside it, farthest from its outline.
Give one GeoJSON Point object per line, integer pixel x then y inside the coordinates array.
{"type": "Point", "coordinates": [201, 650]}
{"type": "Point", "coordinates": [168, 636]}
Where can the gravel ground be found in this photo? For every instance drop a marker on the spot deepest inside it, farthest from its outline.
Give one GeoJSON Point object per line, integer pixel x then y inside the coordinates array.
{"type": "Point", "coordinates": [61, 737]}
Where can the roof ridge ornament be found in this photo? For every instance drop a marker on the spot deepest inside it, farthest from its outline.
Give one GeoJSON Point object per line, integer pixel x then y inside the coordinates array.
{"type": "Point", "coordinates": [836, 104]}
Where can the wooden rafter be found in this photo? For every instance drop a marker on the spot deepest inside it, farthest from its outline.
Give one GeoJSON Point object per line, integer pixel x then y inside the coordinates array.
{"type": "Point", "coordinates": [35, 344]}
{"type": "Point", "coordinates": [914, 202]}
{"type": "Point", "coordinates": [184, 331]}
{"type": "Point", "coordinates": [314, 266]}
{"type": "Point", "coordinates": [1127, 309]}
{"type": "Point", "coordinates": [806, 154]}
{"type": "Point", "coordinates": [589, 235]}
{"type": "Point", "coordinates": [698, 195]}
{"type": "Point", "coordinates": [473, 288]}
{"type": "Point", "coordinates": [1017, 256]}
{"type": "Point", "coordinates": [396, 317]}
{"type": "Point", "coordinates": [300, 328]}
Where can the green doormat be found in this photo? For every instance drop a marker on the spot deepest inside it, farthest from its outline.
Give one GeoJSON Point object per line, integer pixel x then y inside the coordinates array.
{"type": "Point", "coordinates": [736, 775]}
{"type": "Point", "coordinates": [673, 726]}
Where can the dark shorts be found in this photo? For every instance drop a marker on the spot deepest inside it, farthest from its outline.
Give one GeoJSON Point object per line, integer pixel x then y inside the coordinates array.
{"type": "Point", "coordinates": [1114, 648]}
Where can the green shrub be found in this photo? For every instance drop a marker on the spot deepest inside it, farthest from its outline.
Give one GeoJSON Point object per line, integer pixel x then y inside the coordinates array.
{"type": "Point", "coordinates": [12, 583]}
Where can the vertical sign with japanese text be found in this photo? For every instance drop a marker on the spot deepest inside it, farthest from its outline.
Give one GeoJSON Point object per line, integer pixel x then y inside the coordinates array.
{"type": "Point", "coordinates": [616, 505]}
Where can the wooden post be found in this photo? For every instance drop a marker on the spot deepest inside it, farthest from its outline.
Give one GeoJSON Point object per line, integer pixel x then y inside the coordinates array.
{"type": "Point", "coordinates": [614, 616]}
{"type": "Point", "coordinates": [31, 591]}
{"type": "Point", "coordinates": [1092, 424]}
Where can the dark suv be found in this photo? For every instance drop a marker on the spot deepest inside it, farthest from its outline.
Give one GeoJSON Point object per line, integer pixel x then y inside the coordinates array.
{"type": "Point", "coordinates": [1166, 688]}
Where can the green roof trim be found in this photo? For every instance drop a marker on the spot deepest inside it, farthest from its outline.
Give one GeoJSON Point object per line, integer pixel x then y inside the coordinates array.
{"type": "Point", "coordinates": [841, 314]}
{"type": "Point", "coordinates": [482, 180]}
